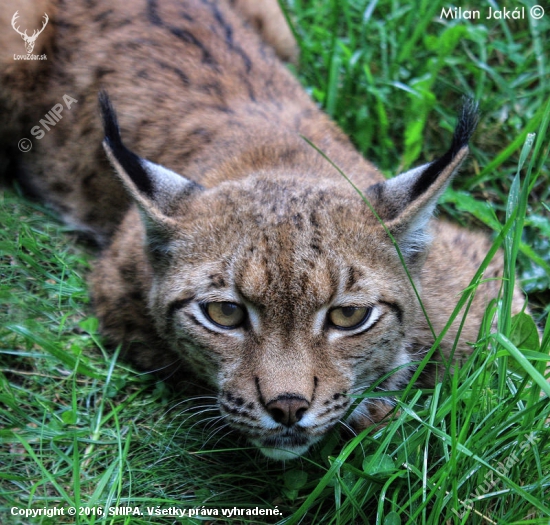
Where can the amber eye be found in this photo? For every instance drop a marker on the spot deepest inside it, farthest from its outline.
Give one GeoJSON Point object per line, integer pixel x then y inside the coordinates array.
{"type": "Point", "coordinates": [349, 317]}
{"type": "Point", "coordinates": [224, 314]}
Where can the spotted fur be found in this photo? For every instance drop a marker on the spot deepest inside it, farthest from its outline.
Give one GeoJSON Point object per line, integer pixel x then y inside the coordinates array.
{"type": "Point", "coordinates": [218, 199]}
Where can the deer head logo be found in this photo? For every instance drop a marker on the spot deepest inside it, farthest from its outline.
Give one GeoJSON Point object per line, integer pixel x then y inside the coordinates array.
{"type": "Point", "coordinates": [29, 40]}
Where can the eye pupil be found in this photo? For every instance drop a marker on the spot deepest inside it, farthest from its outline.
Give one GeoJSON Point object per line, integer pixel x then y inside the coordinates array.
{"type": "Point", "coordinates": [348, 311]}
{"type": "Point", "coordinates": [228, 308]}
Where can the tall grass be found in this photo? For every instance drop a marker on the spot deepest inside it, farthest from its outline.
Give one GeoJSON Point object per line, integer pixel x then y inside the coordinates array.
{"type": "Point", "coordinates": [79, 428]}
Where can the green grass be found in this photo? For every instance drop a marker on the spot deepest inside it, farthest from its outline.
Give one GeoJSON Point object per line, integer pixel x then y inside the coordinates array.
{"type": "Point", "coordinates": [79, 428]}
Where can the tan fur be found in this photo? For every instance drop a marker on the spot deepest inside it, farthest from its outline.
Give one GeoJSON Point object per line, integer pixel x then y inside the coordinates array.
{"type": "Point", "coordinates": [273, 227]}
{"type": "Point", "coordinates": [267, 19]}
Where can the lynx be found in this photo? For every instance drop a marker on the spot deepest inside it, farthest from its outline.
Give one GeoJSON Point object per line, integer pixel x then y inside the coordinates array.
{"type": "Point", "coordinates": [236, 254]}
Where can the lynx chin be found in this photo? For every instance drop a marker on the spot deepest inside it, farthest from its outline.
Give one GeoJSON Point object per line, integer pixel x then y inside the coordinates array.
{"type": "Point", "coordinates": [235, 257]}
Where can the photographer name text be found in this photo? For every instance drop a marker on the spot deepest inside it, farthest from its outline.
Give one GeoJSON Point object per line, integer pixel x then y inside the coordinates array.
{"type": "Point", "coordinates": [519, 13]}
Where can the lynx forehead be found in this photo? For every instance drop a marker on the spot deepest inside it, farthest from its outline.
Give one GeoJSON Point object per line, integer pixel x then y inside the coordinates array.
{"type": "Point", "coordinates": [237, 257]}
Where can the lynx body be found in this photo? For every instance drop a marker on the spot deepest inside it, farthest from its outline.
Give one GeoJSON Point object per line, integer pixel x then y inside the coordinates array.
{"type": "Point", "coordinates": [237, 256]}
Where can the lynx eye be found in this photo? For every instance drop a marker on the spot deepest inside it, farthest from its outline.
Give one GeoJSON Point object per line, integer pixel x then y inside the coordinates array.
{"type": "Point", "coordinates": [349, 317]}
{"type": "Point", "coordinates": [224, 314]}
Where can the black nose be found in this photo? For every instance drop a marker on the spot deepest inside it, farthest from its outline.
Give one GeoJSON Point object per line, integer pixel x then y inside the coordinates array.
{"type": "Point", "coordinates": [287, 409]}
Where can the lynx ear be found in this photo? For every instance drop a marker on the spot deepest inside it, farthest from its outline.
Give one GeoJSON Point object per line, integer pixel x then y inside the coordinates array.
{"type": "Point", "coordinates": [406, 202]}
{"type": "Point", "coordinates": [154, 187]}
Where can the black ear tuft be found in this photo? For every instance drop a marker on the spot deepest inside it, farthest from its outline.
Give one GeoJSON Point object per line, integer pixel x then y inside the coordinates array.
{"type": "Point", "coordinates": [468, 118]}
{"type": "Point", "coordinates": [109, 119]}
{"type": "Point", "coordinates": [128, 160]}
{"type": "Point", "coordinates": [466, 125]}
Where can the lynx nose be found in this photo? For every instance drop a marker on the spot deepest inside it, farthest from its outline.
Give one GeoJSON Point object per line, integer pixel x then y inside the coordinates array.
{"type": "Point", "coordinates": [287, 409]}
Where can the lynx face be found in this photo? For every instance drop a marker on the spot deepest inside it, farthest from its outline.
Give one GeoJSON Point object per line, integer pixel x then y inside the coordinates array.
{"type": "Point", "coordinates": [283, 332]}
{"type": "Point", "coordinates": [285, 295]}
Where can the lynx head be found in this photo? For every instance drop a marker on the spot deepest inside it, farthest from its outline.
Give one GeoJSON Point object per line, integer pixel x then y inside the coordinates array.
{"type": "Point", "coordinates": [282, 291]}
